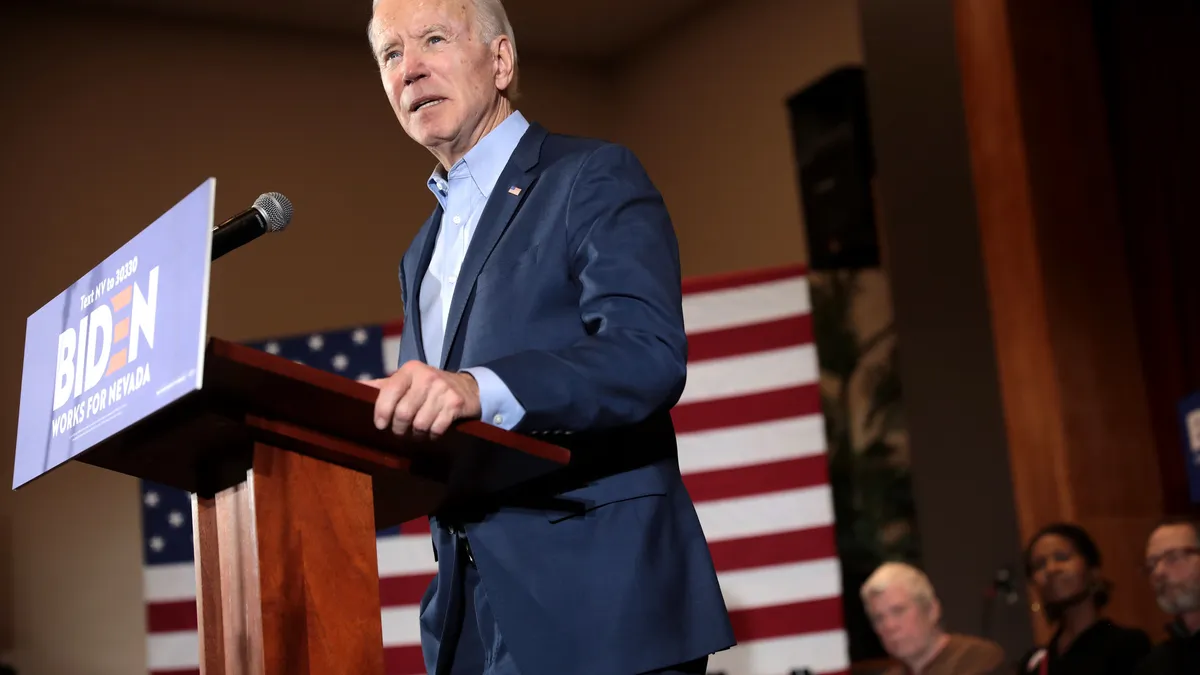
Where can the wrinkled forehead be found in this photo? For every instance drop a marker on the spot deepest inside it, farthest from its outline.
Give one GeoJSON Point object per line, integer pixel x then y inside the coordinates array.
{"type": "Point", "coordinates": [894, 596]}
{"type": "Point", "coordinates": [404, 18]}
{"type": "Point", "coordinates": [1169, 537]}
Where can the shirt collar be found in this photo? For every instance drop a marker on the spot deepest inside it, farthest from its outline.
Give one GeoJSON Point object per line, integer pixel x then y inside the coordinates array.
{"type": "Point", "coordinates": [484, 162]}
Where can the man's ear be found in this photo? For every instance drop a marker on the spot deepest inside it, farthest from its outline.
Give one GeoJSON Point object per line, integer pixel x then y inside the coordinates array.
{"type": "Point", "coordinates": [504, 63]}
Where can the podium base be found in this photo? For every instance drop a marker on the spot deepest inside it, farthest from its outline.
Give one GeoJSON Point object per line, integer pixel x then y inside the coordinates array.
{"type": "Point", "coordinates": [287, 572]}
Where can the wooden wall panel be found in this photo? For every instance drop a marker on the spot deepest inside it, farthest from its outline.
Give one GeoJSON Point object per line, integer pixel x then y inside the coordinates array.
{"type": "Point", "coordinates": [1072, 384]}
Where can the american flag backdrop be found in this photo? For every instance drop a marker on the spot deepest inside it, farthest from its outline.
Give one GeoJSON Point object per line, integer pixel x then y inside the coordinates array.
{"type": "Point", "coordinates": [752, 450]}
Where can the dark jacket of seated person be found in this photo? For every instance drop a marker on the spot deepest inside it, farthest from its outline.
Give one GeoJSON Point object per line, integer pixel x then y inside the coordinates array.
{"type": "Point", "coordinates": [1173, 566]}
{"type": "Point", "coordinates": [1063, 565]}
{"type": "Point", "coordinates": [1179, 655]}
{"type": "Point", "coordinates": [1104, 648]}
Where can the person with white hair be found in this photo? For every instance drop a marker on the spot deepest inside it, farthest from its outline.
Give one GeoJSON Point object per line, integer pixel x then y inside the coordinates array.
{"type": "Point", "coordinates": [906, 615]}
{"type": "Point", "coordinates": [543, 296]}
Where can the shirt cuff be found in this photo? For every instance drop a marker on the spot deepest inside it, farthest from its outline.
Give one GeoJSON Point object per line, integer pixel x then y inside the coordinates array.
{"type": "Point", "coordinates": [497, 404]}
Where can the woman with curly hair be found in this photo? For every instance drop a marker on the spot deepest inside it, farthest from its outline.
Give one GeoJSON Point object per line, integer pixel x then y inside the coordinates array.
{"type": "Point", "coordinates": [1062, 563]}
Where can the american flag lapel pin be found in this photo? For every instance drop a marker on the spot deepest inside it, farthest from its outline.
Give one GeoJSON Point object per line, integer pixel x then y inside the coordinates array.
{"type": "Point", "coordinates": [514, 190]}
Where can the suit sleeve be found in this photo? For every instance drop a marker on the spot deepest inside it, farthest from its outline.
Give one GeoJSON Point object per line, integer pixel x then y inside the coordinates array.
{"type": "Point", "coordinates": [624, 258]}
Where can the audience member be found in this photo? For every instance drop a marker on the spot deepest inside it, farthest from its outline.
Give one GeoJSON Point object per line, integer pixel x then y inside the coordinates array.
{"type": "Point", "coordinates": [906, 614]}
{"type": "Point", "coordinates": [1173, 565]}
{"type": "Point", "coordinates": [1063, 564]}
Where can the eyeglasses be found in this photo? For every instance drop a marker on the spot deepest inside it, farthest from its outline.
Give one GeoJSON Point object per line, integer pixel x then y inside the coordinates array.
{"type": "Point", "coordinates": [1171, 557]}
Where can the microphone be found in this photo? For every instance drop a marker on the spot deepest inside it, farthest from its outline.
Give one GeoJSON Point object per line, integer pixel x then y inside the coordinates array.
{"type": "Point", "coordinates": [271, 212]}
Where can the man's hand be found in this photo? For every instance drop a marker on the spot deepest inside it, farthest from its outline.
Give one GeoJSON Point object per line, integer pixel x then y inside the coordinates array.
{"type": "Point", "coordinates": [424, 401]}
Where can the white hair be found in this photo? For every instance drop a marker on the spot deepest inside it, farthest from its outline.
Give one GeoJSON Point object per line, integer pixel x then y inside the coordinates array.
{"type": "Point", "coordinates": [903, 575]}
{"type": "Point", "coordinates": [491, 21]}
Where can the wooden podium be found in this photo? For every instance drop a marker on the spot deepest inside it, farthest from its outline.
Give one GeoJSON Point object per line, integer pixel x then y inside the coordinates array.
{"type": "Point", "coordinates": [290, 482]}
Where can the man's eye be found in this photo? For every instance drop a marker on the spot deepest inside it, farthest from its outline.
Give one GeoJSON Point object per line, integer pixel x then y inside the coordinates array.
{"type": "Point", "coordinates": [435, 38]}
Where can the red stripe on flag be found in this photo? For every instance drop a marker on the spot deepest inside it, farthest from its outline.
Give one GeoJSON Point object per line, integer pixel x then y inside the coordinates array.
{"type": "Point", "coordinates": [403, 590]}
{"type": "Point", "coordinates": [393, 328]}
{"type": "Point", "coordinates": [773, 549]}
{"type": "Point", "coordinates": [406, 660]}
{"type": "Point", "coordinates": [788, 474]}
{"type": "Point", "coordinates": [171, 617]}
{"type": "Point", "coordinates": [758, 337]}
{"type": "Point", "coordinates": [798, 618]}
{"type": "Point", "coordinates": [416, 526]}
{"type": "Point", "coordinates": [748, 409]}
{"type": "Point", "coordinates": [720, 282]}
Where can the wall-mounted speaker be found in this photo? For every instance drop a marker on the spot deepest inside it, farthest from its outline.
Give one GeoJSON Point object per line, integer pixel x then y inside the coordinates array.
{"type": "Point", "coordinates": [836, 166]}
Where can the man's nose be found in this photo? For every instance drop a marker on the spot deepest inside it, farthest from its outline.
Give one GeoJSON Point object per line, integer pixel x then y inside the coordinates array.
{"type": "Point", "coordinates": [414, 69]}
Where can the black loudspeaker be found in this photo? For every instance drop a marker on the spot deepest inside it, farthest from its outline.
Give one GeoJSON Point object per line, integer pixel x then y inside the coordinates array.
{"type": "Point", "coordinates": [836, 167]}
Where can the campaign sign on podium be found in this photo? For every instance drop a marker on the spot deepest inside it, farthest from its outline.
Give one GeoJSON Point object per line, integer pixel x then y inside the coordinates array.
{"type": "Point", "coordinates": [123, 342]}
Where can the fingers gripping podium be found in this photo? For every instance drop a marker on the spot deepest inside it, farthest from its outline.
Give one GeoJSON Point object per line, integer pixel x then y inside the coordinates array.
{"type": "Point", "coordinates": [290, 479]}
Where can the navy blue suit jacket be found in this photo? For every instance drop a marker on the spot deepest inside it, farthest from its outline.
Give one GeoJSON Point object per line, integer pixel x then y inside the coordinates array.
{"type": "Point", "coordinates": [570, 293]}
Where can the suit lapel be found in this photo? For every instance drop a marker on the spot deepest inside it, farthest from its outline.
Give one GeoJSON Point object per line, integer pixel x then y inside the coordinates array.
{"type": "Point", "coordinates": [426, 239]}
{"type": "Point", "coordinates": [509, 192]}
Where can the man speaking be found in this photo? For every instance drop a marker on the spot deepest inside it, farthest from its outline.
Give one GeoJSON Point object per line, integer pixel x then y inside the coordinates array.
{"type": "Point", "coordinates": [543, 296]}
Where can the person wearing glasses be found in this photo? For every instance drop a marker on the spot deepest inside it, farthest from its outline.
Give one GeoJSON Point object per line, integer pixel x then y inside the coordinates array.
{"type": "Point", "coordinates": [1173, 566]}
{"type": "Point", "coordinates": [1062, 562]}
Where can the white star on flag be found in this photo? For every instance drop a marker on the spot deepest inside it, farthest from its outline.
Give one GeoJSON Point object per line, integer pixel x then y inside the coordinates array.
{"type": "Point", "coordinates": [151, 499]}
{"type": "Point", "coordinates": [360, 336]}
{"type": "Point", "coordinates": [340, 362]}
{"type": "Point", "coordinates": [175, 519]}
{"type": "Point", "coordinates": [157, 544]}
{"type": "Point", "coordinates": [316, 342]}
{"type": "Point", "coordinates": [271, 348]}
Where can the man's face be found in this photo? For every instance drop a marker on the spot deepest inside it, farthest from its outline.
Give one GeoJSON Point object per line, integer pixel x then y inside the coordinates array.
{"type": "Point", "coordinates": [906, 628]}
{"type": "Point", "coordinates": [440, 79]}
{"type": "Point", "coordinates": [1173, 562]}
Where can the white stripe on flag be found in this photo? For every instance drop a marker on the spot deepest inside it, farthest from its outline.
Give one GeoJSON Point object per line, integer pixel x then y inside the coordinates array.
{"type": "Point", "coordinates": [781, 584]}
{"type": "Point", "coordinates": [750, 373]}
{"type": "Point", "coordinates": [751, 444]}
{"type": "Point", "coordinates": [770, 513]}
{"type": "Point", "coordinates": [744, 305]}
{"type": "Point", "coordinates": [168, 583]}
{"type": "Point", "coordinates": [173, 651]}
{"type": "Point", "coordinates": [405, 554]}
{"type": "Point", "coordinates": [825, 652]}
{"type": "Point", "coordinates": [401, 626]}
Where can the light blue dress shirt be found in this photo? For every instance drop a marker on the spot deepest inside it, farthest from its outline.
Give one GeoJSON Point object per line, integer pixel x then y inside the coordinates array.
{"type": "Point", "coordinates": [463, 192]}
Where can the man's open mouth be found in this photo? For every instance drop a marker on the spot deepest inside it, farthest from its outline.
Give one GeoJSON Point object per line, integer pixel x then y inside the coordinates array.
{"type": "Point", "coordinates": [424, 103]}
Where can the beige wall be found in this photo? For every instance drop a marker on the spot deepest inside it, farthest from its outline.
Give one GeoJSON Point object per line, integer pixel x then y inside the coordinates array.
{"type": "Point", "coordinates": [705, 109]}
{"type": "Point", "coordinates": [107, 123]}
